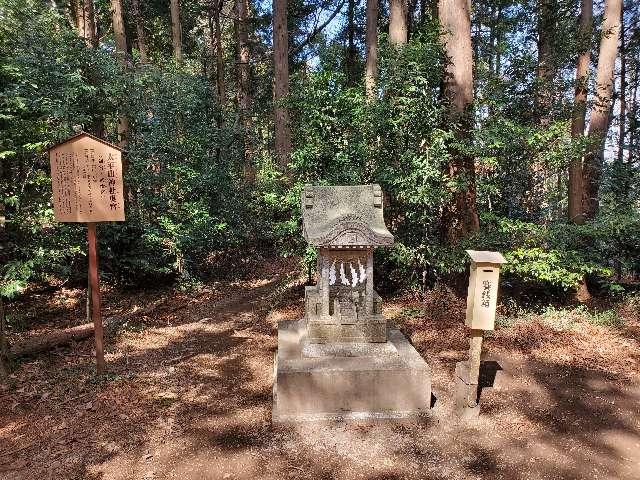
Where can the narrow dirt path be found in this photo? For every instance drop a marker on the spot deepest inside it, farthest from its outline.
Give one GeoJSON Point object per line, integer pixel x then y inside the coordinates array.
{"type": "Point", "coordinates": [189, 397]}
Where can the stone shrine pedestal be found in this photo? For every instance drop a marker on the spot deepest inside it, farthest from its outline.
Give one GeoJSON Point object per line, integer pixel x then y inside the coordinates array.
{"type": "Point", "coordinates": [344, 360]}
{"type": "Point", "coordinates": [347, 381]}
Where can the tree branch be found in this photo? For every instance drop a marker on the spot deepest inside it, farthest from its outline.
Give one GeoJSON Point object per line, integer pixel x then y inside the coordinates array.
{"type": "Point", "coordinates": [317, 30]}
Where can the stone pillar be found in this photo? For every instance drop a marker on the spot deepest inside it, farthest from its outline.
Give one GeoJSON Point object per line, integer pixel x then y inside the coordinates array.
{"type": "Point", "coordinates": [467, 374]}
{"type": "Point", "coordinates": [324, 280]}
{"type": "Point", "coordinates": [369, 283]}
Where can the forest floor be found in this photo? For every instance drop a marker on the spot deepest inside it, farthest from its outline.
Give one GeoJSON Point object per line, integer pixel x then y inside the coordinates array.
{"type": "Point", "coordinates": [188, 394]}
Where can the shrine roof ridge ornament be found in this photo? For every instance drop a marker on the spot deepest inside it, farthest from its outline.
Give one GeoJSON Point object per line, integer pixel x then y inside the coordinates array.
{"type": "Point", "coordinates": [85, 134]}
{"type": "Point", "coordinates": [343, 216]}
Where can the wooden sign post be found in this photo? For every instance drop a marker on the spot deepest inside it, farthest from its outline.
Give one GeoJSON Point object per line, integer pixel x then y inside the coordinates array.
{"type": "Point", "coordinates": [482, 297]}
{"type": "Point", "coordinates": [86, 178]}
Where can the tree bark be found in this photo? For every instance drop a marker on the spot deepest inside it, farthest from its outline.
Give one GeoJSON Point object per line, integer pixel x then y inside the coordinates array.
{"type": "Point", "coordinates": [86, 24]}
{"type": "Point", "coordinates": [633, 126]}
{"type": "Point", "coordinates": [142, 44]}
{"type": "Point", "coordinates": [244, 79]}
{"type": "Point", "coordinates": [599, 121]}
{"type": "Point", "coordinates": [397, 22]}
{"type": "Point", "coordinates": [119, 32]}
{"type": "Point", "coordinates": [176, 31]}
{"type": "Point", "coordinates": [411, 8]}
{"type": "Point", "coordinates": [120, 36]}
{"type": "Point", "coordinates": [350, 63]}
{"type": "Point", "coordinates": [459, 216]}
{"type": "Point", "coordinates": [580, 109]}
{"type": "Point", "coordinates": [371, 66]}
{"type": "Point", "coordinates": [220, 84]}
{"type": "Point", "coordinates": [4, 346]}
{"type": "Point", "coordinates": [623, 93]}
{"type": "Point", "coordinates": [545, 71]}
{"type": "Point", "coordinates": [281, 83]}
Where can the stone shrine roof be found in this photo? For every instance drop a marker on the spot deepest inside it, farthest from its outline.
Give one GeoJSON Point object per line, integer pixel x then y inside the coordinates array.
{"type": "Point", "coordinates": [349, 216]}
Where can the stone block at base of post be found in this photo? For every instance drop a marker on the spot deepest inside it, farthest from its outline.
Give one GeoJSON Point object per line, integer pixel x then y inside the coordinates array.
{"type": "Point", "coordinates": [467, 406]}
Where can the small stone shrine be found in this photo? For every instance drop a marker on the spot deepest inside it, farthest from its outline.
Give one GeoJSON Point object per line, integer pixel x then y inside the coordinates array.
{"type": "Point", "coordinates": [344, 360]}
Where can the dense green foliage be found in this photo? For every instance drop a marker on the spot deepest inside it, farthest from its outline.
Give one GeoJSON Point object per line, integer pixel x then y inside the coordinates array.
{"type": "Point", "coordinates": [188, 195]}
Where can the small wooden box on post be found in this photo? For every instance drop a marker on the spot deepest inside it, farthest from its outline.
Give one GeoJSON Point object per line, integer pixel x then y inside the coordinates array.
{"type": "Point", "coordinates": [86, 180]}
{"type": "Point", "coordinates": [482, 297]}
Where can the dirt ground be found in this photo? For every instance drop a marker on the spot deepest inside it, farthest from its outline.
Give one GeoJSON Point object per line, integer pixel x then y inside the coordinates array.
{"type": "Point", "coordinates": [188, 396]}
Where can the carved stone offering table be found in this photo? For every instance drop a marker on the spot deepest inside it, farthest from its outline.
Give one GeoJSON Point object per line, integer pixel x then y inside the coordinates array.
{"type": "Point", "coordinates": [344, 360]}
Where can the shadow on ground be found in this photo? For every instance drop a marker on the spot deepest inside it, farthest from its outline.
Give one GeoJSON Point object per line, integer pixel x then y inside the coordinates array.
{"type": "Point", "coordinates": [190, 398]}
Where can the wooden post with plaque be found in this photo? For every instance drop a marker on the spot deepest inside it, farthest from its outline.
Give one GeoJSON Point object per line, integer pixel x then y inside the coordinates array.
{"type": "Point", "coordinates": [86, 179]}
{"type": "Point", "coordinates": [482, 297]}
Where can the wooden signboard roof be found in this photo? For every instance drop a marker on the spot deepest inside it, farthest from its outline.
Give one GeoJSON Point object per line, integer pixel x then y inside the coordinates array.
{"type": "Point", "coordinates": [85, 134]}
{"type": "Point", "coordinates": [480, 256]}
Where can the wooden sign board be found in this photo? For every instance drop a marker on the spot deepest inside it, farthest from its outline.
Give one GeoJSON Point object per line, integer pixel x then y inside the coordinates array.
{"type": "Point", "coordinates": [482, 295]}
{"type": "Point", "coordinates": [86, 176]}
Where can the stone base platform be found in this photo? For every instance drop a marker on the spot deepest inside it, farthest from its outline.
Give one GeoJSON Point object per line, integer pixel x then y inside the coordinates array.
{"type": "Point", "coordinates": [347, 381]}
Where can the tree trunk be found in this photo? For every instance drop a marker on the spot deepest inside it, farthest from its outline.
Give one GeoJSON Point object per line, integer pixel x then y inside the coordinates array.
{"type": "Point", "coordinates": [176, 31]}
{"type": "Point", "coordinates": [243, 78]}
{"type": "Point", "coordinates": [120, 36]}
{"type": "Point", "coordinates": [4, 346]}
{"type": "Point", "coordinates": [459, 216]}
{"type": "Point", "coordinates": [599, 121]}
{"type": "Point", "coordinates": [86, 24]}
{"type": "Point", "coordinates": [119, 32]}
{"type": "Point", "coordinates": [545, 71]}
{"type": "Point", "coordinates": [492, 39]}
{"type": "Point", "coordinates": [220, 85]}
{"type": "Point", "coordinates": [281, 83]}
{"type": "Point", "coordinates": [623, 98]}
{"type": "Point", "coordinates": [142, 44]}
{"type": "Point", "coordinates": [371, 67]}
{"type": "Point", "coordinates": [498, 54]}
{"type": "Point", "coordinates": [633, 126]}
{"type": "Point", "coordinates": [411, 8]}
{"type": "Point", "coordinates": [397, 22]}
{"type": "Point", "coordinates": [580, 109]}
{"type": "Point", "coordinates": [350, 63]}
{"type": "Point", "coordinates": [216, 64]}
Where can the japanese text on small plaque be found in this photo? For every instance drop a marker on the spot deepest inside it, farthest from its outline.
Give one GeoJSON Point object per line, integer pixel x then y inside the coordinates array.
{"type": "Point", "coordinates": [486, 294]}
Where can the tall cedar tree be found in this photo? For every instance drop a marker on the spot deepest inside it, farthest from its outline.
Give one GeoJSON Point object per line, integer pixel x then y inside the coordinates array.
{"type": "Point", "coordinates": [580, 109]}
{"type": "Point", "coordinates": [176, 31]}
{"type": "Point", "coordinates": [545, 70]}
{"type": "Point", "coordinates": [601, 110]}
{"type": "Point", "coordinates": [85, 21]}
{"type": "Point", "coordinates": [460, 215]}
{"type": "Point", "coordinates": [371, 66]}
{"type": "Point", "coordinates": [397, 22]}
{"type": "Point", "coordinates": [120, 37]}
{"type": "Point", "coordinates": [350, 62]}
{"type": "Point", "coordinates": [142, 44]}
{"type": "Point", "coordinates": [215, 61]}
{"type": "Point", "coordinates": [281, 83]}
{"type": "Point", "coordinates": [623, 91]}
{"type": "Point", "coordinates": [243, 81]}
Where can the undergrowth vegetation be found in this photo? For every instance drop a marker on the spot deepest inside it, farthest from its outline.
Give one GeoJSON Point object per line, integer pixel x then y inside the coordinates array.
{"type": "Point", "coordinates": [190, 197]}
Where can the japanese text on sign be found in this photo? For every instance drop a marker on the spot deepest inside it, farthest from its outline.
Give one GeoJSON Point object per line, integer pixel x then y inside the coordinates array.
{"type": "Point", "coordinates": [86, 177]}
{"type": "Point", "coordinates": [486, 294]}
